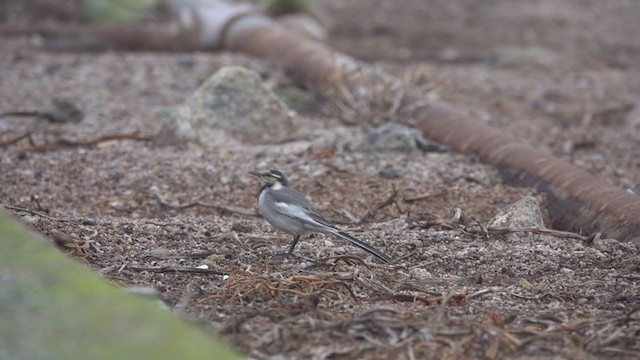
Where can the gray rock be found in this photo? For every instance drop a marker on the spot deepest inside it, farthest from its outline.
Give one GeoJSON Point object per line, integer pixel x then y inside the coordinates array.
{"type": "Point", "coordinates": [614, 246]}
{"type": "Point", "coordinates": [233, 102]}
{"type": "Point", "coordinates": [64, 111]}
{"type": "Point", "coordinates": [389, 172]}
{"type": "Point", "coordinates": [396, 137]}
{"type": "Point", "coordinates": [526, 55]}
{"type": "Point", "coordinates": [524, 213]}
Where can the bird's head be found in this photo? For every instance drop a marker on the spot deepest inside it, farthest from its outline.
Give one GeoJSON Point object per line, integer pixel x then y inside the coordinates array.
{"type": "Point", "coordinates": [271, 178]}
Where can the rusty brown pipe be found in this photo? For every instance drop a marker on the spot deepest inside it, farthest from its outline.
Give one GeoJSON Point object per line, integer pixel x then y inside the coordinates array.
{"type": "Point", "coordinates": [577, 199]}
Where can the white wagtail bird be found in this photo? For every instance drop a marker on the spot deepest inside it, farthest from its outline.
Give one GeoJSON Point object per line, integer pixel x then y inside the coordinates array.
{"type": "Point", "coordinates": [289, 211]}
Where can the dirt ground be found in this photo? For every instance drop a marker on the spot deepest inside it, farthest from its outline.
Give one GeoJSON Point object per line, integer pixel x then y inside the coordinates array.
{"type": "Point", "coordinates": [565, 75]}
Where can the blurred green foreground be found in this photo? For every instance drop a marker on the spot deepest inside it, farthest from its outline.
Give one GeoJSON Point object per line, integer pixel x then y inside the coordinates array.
{"type": "Point", "coordinates": [54, 308]}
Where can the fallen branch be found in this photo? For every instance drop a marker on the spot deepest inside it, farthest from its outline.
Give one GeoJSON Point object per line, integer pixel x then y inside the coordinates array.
{"type": "Point", "coordinates": [36, 114]}
{"type": "Point", "coordinates": [167, 36]}
{"type": "Point", "coordinates": [414, 298]}
{"type": "Point", "coordinates": [227, 208]}
{"type": "Point", "coordinates": [410, 199]}
{"type": "Point", "coordinates": [548, 232]}
{"type": "Point", "coordinates": [371, 211]}
{"type": "Point", "coordinates": [15, 140]}
{"type": "Point", "coordinates": [202, 255]}
{"type": "Point", "coordinates": [174, 269]}
{"type": "Point", "coordinates": [33, 212]}
{"type": "Point", "coordinates": [65, 143]}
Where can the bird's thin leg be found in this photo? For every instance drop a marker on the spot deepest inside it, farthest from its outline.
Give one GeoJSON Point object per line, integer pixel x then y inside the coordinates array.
{"type": "Point", "coordinates": [293, 245]}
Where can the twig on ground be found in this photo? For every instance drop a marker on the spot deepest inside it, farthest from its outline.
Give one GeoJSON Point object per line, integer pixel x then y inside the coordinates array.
{"type": "Point", "coordinates": [16, 139]}
{"type": "Point", "coordinates": [174, 269]}
{"type": "Point", "coordinates": [343, 212]}
{"type": "Point", "coordinates": [479, 293]}
{"type": "Point", "coordinates": [36, 114]}
{"type": "Point", "coordinates": [227, 208]}
{"type": "Point", "coordinates": [410, 298]}
{"type": "Point", "coordinates": [33, 212]}
{"type": "Point", "coordinates": [374, 209]}
{"type": "Point", "coordinates": [66, 143]}
{"type": "Point", "coordinates": [345, 258]}
{"type": "Point", "coordinates": [410, 199]}
{"type": "Point", "coordinates": [539, 231]}
{"type": "Point", "coordinates": [165, 224]}
{"type": "Point", "coordinates": [412, 251]}
{"type": "Point", "coordinates": [201, 255]}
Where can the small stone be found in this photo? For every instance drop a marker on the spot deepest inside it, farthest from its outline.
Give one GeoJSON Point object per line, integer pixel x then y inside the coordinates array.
{"type": "Point", "coordinates": [614, 246]}
{"type": "Point", "coordinates": [395, 137]}
{"type": "Point", "coordinates": [525, 284]}
{"type": "Point", "coordinates": [604, 245]}
{"type": "Point", "coordinates": [525, 213]}
{"type": "Point", "coordinates": [389, 172]}
{"type": "Point", "coordinates": [116, 204]}
{"type": "Point", "coordinates": [242, 228]}
{"type": "Point", "coordinates": [566, 270]}
{"type": "Point", "coordinates": [527, 55]}
{"type": "Point", "coordinates": [147, 291]}
{"type": "Point", "coordinates": [420, 274]}
{"type": "Point", "coordinates": [22, 155]}
{"type": "Point", "coordinates": [89, 222]}
{"type": "Point", "coordinates": [213, 260]}
{"type": "Point", "coordinates": [30, 219]}
{"type": "Point", "coordinates": [329, 243]}
{"type": "Point", "coordinates": [64, 111]}
{"type": "Point", "coordinates": [160, 252]}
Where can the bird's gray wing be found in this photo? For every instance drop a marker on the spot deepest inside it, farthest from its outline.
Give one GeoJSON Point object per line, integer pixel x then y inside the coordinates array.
{"type": "Point", "coordinates": [318, 218]}
{"type": "Point", "coordinates": [291, 203]}
{"type": "Point", "coordinates": [289, 196]}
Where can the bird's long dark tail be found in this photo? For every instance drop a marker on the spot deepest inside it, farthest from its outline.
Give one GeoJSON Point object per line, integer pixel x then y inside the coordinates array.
{"type": "Point", "coordinates": [363, 245]}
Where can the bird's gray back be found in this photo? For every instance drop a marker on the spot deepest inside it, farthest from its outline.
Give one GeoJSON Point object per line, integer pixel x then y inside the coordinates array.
{"type": "Point", "coordinates": [289, 196]}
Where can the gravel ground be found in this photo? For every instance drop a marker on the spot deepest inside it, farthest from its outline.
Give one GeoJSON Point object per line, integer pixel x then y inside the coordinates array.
{"type": "Point", "coordinates": [455, 291]}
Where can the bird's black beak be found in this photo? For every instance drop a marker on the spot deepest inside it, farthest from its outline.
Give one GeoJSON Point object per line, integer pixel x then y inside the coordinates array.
{"type": "Point", "coordinates": [255, 173]}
